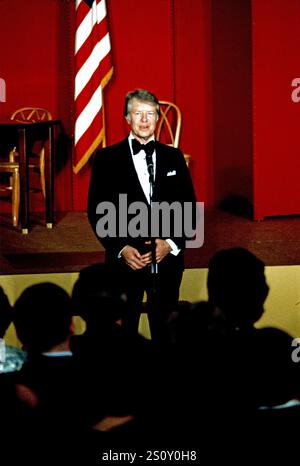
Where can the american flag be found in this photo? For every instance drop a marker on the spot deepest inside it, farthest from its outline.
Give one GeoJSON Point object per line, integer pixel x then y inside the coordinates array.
{"type": "Point", "coordinates": [93, 69]}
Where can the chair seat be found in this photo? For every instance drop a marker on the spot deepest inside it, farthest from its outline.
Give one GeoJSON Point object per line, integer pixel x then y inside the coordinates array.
{"type": "Point", "coordinates": [9, 167]}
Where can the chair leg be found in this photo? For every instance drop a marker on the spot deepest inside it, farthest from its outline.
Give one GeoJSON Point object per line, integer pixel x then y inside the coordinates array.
{"type": "Point", "coordinates": [15, 197]}
{"type": "Point", "coordinates": [13, 154]}
{"type": "Point", "coordinates": [42, 171]}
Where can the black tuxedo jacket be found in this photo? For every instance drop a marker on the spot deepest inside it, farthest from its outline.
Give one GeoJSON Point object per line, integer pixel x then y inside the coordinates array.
{"type": "Point", "coordinates": [114, 173]}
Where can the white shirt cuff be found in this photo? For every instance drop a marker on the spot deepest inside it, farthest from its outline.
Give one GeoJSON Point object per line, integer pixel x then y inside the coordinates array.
{"type": "Point", "coordinates": [120, 253]}
{"type": "Point", "coordinates": [175, 250]}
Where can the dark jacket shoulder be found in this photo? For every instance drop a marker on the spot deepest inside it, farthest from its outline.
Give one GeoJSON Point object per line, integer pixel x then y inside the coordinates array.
{"type": "Point", "coordinates": [113, 150]}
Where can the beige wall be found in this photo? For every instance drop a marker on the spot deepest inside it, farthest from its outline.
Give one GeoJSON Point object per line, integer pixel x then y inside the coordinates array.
{"type": "Point", "coordinates": [13, 286]}
{"type": "Point", "coordinates": [282, 307]}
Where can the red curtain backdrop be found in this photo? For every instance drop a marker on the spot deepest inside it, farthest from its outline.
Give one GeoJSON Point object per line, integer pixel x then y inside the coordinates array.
{"type": "Point", "coordinates": [228, 64]}
{"type": "Point", "coordinates": [167, 52]}
{"type": "Point", "coordinates": [173, 60]}
{"type": "Point", "coordinates": [232, 99]}
{"type": "Point", "coordinates": [276, 118]}
{"type": "Point", "coordinates": [36, 39]}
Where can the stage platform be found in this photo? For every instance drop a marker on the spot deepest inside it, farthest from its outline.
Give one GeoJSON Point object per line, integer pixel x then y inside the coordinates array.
{"type": "Point", "coordinates": [59, 254]}
{"type": "Point", "coordinates": [71, 244]}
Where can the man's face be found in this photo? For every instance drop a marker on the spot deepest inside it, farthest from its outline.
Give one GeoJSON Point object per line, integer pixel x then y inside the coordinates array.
{"type": "Point", "coordinates": [142, 118]}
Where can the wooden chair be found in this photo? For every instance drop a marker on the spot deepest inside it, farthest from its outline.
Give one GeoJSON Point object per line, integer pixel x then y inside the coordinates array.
{"type": "Point", "coordinates": [12, 188]}
{"type": "Point", "coordinates": [36, 161]}
{"type": "Point", "coordinates": [169, 126]}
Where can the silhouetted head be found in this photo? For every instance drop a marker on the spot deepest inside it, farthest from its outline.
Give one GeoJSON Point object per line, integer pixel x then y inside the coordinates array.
{"type": "Point", "coordinates": [237, 286]}
{"type": "Point", "coordinates": [5, 313]}
{"type": "Point", "coordinates": [43, 317]}
{"type": "Point", "coordinates": [98, 295]}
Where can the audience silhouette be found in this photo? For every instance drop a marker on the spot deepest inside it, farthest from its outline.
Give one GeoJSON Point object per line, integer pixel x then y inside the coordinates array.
{"type": "Point", "coordinates": [230, 369]}
{"type": "Point", "coordinates": [237, 289]}
{"type": "Point", "coordinates": [126, 361]}
{"type": "Point", "coordinates": [221, 385]}
{"type": "Point", "coordinates": [52, 383]}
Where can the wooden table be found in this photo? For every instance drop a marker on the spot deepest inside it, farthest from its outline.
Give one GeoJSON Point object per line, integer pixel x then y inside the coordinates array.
{"type": "Point", "coordinates": [11, 128]}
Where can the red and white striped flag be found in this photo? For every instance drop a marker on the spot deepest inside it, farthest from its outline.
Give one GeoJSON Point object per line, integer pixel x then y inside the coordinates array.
{"type": "Point", "coordinates": [93, 69]}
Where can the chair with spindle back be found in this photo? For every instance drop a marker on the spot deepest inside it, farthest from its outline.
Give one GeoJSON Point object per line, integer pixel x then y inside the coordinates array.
{"type": "Point", "coordinates": [169, 126]}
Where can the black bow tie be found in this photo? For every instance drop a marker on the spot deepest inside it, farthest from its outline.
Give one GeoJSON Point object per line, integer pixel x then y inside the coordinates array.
{"type": "Point", "coordinates": [148, 148]}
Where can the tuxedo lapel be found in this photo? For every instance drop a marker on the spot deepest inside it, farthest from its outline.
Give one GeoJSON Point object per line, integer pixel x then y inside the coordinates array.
{"type": "Point", "coordinates": [161, 170]}
{"type": "Point", "coordinates": [133, 187]}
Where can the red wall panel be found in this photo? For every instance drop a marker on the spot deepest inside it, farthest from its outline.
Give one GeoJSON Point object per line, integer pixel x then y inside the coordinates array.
{"type": "Point", "coordinates": [193, 88]}
{"type": "Point", "coordinates": [35, 63]}
{"type": "Point", "coordinates": [276, 118]}
{"type": "Point", "coordinates": [228, 65]}
{"type": "Point", "coordinates": [164, 46]}
{"type": "Point", "coordinates": [232, 99]}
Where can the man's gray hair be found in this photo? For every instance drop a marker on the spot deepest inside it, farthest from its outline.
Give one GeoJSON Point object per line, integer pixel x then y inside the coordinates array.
{"type": "Point", "coordinates": [143, 95]}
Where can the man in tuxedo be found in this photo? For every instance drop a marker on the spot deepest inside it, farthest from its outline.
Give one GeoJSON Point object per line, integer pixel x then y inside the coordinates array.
{"type": "Point", "coordinates": [122, 177]}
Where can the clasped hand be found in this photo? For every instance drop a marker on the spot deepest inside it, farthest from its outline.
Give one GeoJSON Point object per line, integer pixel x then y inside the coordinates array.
{"type": "Point", "coordinates": [138, 261]}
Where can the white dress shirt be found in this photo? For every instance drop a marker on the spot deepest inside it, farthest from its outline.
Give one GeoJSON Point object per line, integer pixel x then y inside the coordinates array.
{"type": "Point", "coordinates": [140, 165]}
